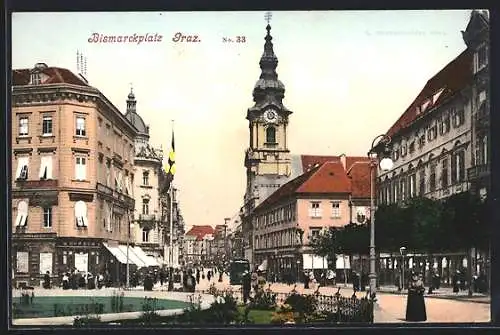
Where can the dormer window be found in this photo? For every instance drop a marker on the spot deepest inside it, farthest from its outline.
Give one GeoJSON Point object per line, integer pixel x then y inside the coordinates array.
{"type": "Point", "coordinates": [36, 78]}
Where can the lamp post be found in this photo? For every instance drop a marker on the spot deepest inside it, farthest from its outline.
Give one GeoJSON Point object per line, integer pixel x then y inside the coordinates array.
{"type": "Point", "coordinates": [379, 155]}
{"type": "Point", "coordinates": [402, 251]}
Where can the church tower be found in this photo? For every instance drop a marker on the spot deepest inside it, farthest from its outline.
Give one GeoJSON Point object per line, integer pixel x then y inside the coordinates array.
{"type": "Point", "coordinates": [267, 160]}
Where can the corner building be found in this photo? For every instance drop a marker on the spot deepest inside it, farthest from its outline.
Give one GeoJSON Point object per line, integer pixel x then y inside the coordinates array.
{"type": "Point", "coordinates": [72, 171]}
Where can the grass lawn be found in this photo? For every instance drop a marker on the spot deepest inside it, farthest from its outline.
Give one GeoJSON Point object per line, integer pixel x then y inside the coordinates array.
{"type": "Point", "coordinates": [261, 317]}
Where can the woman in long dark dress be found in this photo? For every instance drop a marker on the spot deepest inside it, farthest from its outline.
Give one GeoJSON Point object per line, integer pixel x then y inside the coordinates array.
{"type": "Point", "coordinates": [415, 306]}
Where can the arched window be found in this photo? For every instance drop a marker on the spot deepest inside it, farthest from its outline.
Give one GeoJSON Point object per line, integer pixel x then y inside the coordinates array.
{"type": "Point", "coordinates": [145, 235]}
{"type": "Point", "coordinates": [81, 214]}
{"type": "Point", "coordinates": [271, 135]}
{"type": "Point", "coordinates": [145, 178]}
{"type": "Point", "coordinates": [22, 214]}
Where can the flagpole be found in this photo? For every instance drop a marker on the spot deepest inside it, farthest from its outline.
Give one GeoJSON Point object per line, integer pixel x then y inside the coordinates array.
{"type": "Point", "coordinates": [170, 253]}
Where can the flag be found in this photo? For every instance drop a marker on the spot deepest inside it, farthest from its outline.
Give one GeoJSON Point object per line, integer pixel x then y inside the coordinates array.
{"type": "Point", "coordinates": [170, 167]}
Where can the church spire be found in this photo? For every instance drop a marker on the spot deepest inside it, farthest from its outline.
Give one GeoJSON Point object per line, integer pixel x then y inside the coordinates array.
{"type": "Point", "coordinates": [268, 87]}
{"type": "Point", "coordinates": [131, 102]}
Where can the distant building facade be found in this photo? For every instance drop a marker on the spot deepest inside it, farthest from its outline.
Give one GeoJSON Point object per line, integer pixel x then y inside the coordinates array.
{"type": "Point", "coordinates": [72, 171]}
{"type": "Point", "coordinates": [330, 193]}
{"type": "Point", "coordinates": [147, 230]}
{"type": "Point", "coordinates": [195, 244]}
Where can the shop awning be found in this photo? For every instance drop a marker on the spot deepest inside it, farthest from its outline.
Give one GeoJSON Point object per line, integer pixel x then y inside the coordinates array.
{"type": "Point", "coordinates": [148, 260]}
{"type": "Point", "coordinates": [263, 266]}
{"type": "Point", "coordinates": [132, 256]}
{"type": "Point", "coordinates": [115, 251]}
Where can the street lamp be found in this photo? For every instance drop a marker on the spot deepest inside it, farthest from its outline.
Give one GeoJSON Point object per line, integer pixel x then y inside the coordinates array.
{"type": "Point", "coordinates": [402, 251]}
{"type": "Point", "coordinates": [380, 152]}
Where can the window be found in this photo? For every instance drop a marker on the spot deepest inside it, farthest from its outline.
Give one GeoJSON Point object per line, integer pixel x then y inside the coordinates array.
{"type": "Point", "coordinates": [314, 233]}
{"type": "Point", "coordinates": [458, 167]}
{"type": "Point", "coordinates": [421, 141]}
{"type": "Point", "coordinates": [36, 78]}
{"type": "Point", "coordinates": [80, 168]}
{"type": "Point", "coordinates": [444, 173]}
{"type": "Point", "coordinates": [422, 182]}
{"type": "Point", "coordinates": [145, 206]}
{"type": "Point", "coordinates": [315, 210]}
{"type": "Point", "coordinates": [395, 185]}
{"type": "Point", "coordinates": [119, 181]}
{"type": "Point", "coordinates": [403, 150]}
{"type": "Point", "coordinates": [80, 126]}
{"type": "Point", "coordinates": [432, 133]}
{"type": "Point", "coordinates": [412, 185]}
{"type": "Point", "coordinates": [81, 214]}
{"type": "Point", "coordinates": [127, 185]}
{"type": "Point", "coordinates": [395, 154]}
{"type": "Point", "coordinates": [23, 126]}
{"type": "Point", "coordinates": [412, 147]}
{"type": "Point", "coordinates": [402, 183]}
{"type": "Point", "coordinates": [271, 135]}
{"type": "Point", "coordinates": [145, 178]}
{"type": "Point", "coordinates": [432, 178]}
{"type": "Point", "coordinates": [46, 167]}
{"type": "Point", "coordinates": [47, 126]}
{"type": "Point", "coordinates": [335, 209]}
{"type": "Point", "coordinates": [47, 217]}
{"type": "Point", "coordinates": [459, 118]}
{"type": "Point", "coordinates": [145, 235]}
{"type": "Point", "coordinates": [22, 214]}
{"type": "Point", "coordinates": [22, 168]}
{"type": "Point", "coordinates": [108, 173]}
{"type": "Point", "coordinates": [445, 126]}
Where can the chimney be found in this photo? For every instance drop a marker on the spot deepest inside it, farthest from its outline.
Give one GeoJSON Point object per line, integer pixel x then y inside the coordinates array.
{"type": "Point", "coordinates": [343, 160]}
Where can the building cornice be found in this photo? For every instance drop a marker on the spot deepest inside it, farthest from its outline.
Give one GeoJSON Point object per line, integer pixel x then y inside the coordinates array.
{"type": "Point", "coordinates": [27, 95]}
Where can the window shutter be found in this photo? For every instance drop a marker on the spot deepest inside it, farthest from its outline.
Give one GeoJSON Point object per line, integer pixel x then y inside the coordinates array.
{"type": "Point", "coordinates": [83, 168]}
{"type": "Point", "coordinates": [454, 168]}
{"type": "Point", "coordinates": [49, 167]}
{"type": "Point", "coordinates": [22, 165]}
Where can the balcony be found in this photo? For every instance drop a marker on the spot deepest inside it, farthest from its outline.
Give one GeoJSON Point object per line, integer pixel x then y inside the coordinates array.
{"type": "Point", "coordinates": [120, 197]}
{"type": "Point", "coordinates": [478, 171]}
{"type": "Point", "coordinates": [37, 184]}
{"type": "Point", "coordinates": [147, 217]}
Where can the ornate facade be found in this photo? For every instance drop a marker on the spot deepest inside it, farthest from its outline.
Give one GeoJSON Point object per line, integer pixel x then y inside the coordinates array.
{"type": "Point", "coordinates": [148, 228]}
{"type": "Point", "coordinates": [72, 170]}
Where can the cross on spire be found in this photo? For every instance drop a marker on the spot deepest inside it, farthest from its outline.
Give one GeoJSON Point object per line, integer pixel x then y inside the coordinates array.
{"type": "Point", "coordinates": [268, 17]}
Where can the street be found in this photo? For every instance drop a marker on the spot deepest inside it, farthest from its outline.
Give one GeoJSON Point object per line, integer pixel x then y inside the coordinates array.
{"type": "Point", "coordinates": [391, 307]}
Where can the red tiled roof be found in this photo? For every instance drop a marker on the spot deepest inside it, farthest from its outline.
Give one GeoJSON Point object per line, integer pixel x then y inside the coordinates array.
{"type": "Point", "coordinates": [55, 75]}
{"type": "Point", "coordinates": [288, 189]}
{"type": "Point", "coordinates": [200, 231]}
{"type": "Point", "coordinates": [360, 179]}
{"type": "Point", "coordinates": [330, 177]}
{"type": "Point", "coordinates": [308, 161]}
{"type": "Point", "coordinates": [452, 78]}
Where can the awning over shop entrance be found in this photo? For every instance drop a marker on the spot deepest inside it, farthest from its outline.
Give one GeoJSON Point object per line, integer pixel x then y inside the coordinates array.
{"type": "Point", "coordinates": [148, 260]}
{"type": "Point", "coordinates": [132, 256]}
{"type": "Point", "coordinates": [119, 255]}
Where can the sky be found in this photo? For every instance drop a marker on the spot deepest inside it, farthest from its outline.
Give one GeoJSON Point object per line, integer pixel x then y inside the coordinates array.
{"type": "Point", "coordinates": [348, 76]}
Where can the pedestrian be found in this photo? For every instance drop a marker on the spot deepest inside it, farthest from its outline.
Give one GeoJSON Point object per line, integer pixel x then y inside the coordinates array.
{"type": "Point", "coordinates": [415, 306]}
{"type": "Point", "coordinates": [65, 281]}
{"type": "Point", "coordinates": [190, 282]}
{"type": "Point", "coordinates": [209, 275]}
{"type": "Point", "coordinates": [246, 286]}
{"type": "Point", "coordinates": [197, 276]}
{"type": "Point", "coordinates": [46, 280]}
{"type": "Point", "coordinates": [456, 282]}
{"type": "Point", "coordinates": [255, 282]}
{"type": "Point", "coordinates": [306, 280]}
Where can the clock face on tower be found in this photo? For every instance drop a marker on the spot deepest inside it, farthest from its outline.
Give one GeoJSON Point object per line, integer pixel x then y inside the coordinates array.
{"type": "Point", "coordinates": [271, 115]}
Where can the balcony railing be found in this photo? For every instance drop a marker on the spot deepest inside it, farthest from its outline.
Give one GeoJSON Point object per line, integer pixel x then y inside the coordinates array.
{"type": "Point", "coordinates": [478, 171]}
{"type": "Point", "coordinates": [36, 184]}
{"type": "Point", "coordinates": [130, 202]}
{"type": "Point", "coordinates": [147, 217]}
